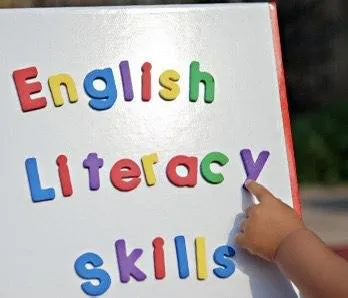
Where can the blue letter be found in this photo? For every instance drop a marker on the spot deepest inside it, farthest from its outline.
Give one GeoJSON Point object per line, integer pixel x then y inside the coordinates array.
{"type": "Point", "coordinates": [101, 99]}
{"type": "Point", "coordinates": [181, 256]}
{"type": "Point", "coordinates": [227, 265]}
{"type": "Point", "coordinates": [37, 193]}
{"type": "Point", "coordinates": [101, 275]}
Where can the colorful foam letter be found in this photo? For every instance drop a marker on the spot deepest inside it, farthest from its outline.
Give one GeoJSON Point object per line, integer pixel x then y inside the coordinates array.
{"type": "Point", "coordinates": [197, 77]}
{"type": "Point", "coordinates": [93, 164]}
{"type": "Point", "coordinates": [201, 259]}
{"type": "Point", "coordinates": [222, 257]}
{"type": "Point", "coordinates": [103, 278]}
{"type": "Point", "coordinates": [126, 264]}
{"type": "Point", "coordinates": [181, 255]}
{"type": "Point", "coordinates": [170, 89]}
{"type": "Point", "coordinates": [125, 169]}
{"type": "Point", "coordinates": [158, 258]}
{"type": "Point", "coordinates": [64, 175]}
{"type": "Point", "coordinates": [206, 172]}
{"type": "Point", "coordinates": [24, 89]}
{"type": "Point", "coordinates": [190, 163]}
{"type": "Point", "coordinates": [146, 81]}
{"type": "Point", "coordinates": [37, 193]}
{"type": "Point", "coordinates": [55, 82]}
{"type": "Point", "coordinates": [101, 99]}
{"type": "Point", "coordinates": [126, 81]}
{"type": "Point", "coordinates": [148, 161]}
{"type": "Point", "coordinates": [253, 169]}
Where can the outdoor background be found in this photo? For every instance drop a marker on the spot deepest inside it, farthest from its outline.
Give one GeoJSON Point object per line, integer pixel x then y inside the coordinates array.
{"type": "Point", "coordinates": [314, 37]}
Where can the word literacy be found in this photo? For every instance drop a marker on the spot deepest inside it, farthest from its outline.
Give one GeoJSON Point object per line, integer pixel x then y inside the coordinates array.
{"type": "Point", "coordinates": [127, 264]}
{"type": "Point", "coordinates": [125, 174]}
{"type": "Point", "coordinates": [105, 99]}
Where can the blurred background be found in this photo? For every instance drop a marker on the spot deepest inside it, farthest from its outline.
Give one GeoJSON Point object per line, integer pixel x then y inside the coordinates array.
{"type": "Point", "coordinates": [314, 36]}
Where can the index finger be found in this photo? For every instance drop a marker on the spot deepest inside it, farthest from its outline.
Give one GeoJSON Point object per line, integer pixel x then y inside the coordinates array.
{"type": "Point", "coordinates": [241, 240]}
{"type": "Point", "coordinates": [258, 190]}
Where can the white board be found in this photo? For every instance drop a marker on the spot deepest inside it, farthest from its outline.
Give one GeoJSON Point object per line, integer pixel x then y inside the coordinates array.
{"type": "Point", "coordinates": [238, 45]}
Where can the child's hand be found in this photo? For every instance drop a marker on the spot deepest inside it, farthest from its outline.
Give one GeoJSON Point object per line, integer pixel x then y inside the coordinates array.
{"type": "Point", "coordinates": [267, 224]}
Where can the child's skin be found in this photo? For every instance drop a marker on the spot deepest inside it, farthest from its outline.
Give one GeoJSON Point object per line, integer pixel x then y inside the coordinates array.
{"type": "Point", "coordinates": [273, 231]}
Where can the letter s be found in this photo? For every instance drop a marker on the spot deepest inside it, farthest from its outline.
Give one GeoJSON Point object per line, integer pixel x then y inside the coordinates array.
{"type": "Point", "coordinates": [101, 275]}
{"type": "Point", "coordinates": [221, 256]}
{"type": "Point", "coordinates": [170, 89]}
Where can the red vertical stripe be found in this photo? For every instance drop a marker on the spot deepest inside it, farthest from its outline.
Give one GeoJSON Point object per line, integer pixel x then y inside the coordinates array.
{"type": "Point", "coordinates": [284, 108]}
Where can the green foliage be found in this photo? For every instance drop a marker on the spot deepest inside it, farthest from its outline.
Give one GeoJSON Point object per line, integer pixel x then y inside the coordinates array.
{"type": "Point", "coordinates": [321, 144]}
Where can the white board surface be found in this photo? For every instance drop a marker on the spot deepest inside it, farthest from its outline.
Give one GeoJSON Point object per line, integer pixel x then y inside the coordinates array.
{"type": "Point", "coordinates": [41, 241]}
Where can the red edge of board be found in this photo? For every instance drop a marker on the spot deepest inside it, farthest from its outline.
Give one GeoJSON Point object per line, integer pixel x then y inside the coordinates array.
{"type": "Point", "coordinates": [284, 108]}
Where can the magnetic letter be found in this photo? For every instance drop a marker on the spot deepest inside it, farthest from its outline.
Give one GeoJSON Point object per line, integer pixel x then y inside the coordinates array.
{"type": "Point", "coordinates": [103, 278]}
{"type": "Point", "coordinates": [197, 77]}
{"type": "Point", "coordinates": [24, 89]}
{"type": "Point", "coordinates": [101, 99]}
{"type": "Point", "coordinates": [146, 81]}
{"type": "Point", "coordinates": [181, 255]}
{"type": "Point", "coordinates": [201, 259]}
{"type": "Point", "coordinates": [190, 163]}
{"type": "Point", "coordinates": [221, 258]}
{"type": "Point", "coordinates": [206, 172]}
{"type": "Point", "coordinates": [55, 83]}
{"type": "Point", "coordinates": [93, 164]}
{"type": "Point", "coordinates": [158, 258]}
{"type": "Point", "coordinates": [125, 169]}
{"type": "Point", "coordinates": [253, 169]}
{"type": "Point", "coordinates": [126, 81]}
{"type": "Point", "coordinates": [64, 175]}
{"type": "Point", "coordinates": [126, 264]}
{"type": "Point", "coordinates": [37, 193]}
{"type": "Point", "coordinates": [170, 89]}
{"type": "Point", "coordinates": [148, 161]}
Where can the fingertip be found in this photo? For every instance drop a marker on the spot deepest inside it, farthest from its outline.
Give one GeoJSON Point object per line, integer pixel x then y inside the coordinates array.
{"type": "Point", "coordinates": [247, 183]}
{"type": "Point", "coordinates": [239, 240]}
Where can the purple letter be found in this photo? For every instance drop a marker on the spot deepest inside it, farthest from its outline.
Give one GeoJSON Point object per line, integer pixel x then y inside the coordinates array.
{"type": "Point", "coordinates": [126, 81]}
{"type": "Point", "coordinates": [126, 264]}
{"type": "Point", "coordinates": [93, 164]}
{"type": "Point", "coordinates": [253, 169]}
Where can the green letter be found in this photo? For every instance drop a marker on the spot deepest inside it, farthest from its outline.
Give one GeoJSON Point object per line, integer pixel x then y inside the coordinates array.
{"type": "Point", "coordinates": [196, 77]}
{"type": "Point", "coordinates": [207, 174]}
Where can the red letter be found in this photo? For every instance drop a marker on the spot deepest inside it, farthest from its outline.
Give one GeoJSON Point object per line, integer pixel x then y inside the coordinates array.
{"type": "Point", "coordinates": [146, 81]}
{"type": "Point", "coordinates": [25, 89]}
{"type": "Point", "coordinates": [64, 175]}
{"type": "Point", "coordinates": [191, 165]}
{"type": "Point", "coordinates": [125, 169]}
{"type": "Point", "coordinates": [158, 258]}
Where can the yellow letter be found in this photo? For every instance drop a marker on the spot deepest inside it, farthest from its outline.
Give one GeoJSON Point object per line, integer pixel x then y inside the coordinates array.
{"type": "Point", "coordinates": [55, 82]}
{"type": "Point", "coordinates": [201, 259]}
{"type": "Point", "coordinates": [170, 89]}
{"type": "Point", "coordinates": [147, 162]}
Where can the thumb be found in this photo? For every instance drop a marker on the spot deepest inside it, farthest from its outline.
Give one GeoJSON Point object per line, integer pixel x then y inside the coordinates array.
{"type": "Point", "coordinates": [258, 190]}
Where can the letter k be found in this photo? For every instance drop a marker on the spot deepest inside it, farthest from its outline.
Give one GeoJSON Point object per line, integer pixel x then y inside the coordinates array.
{"type": "Point", "coordinates": [126, 264]}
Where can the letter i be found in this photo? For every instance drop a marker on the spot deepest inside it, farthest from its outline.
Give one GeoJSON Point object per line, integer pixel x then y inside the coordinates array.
{"type": "Point", "coordinates": [146, 81]}
{"type": "Point", "coordinates": [64, 175]}
{"type": "Point", "coordinates": [158, 258]}
{"type": "Point", "coordinates": [181, 255]}
{"type": "Point", "coordinates": [201, 260]}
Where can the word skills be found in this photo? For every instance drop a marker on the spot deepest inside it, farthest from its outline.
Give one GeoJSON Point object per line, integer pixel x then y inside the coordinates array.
{"type": "Point", "coordinates": [127, 267]}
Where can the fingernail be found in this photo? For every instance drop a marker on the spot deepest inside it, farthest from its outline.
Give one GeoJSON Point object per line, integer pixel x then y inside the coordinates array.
{"type": "Point", "coordinates": [245, 185]}
{"type": "Point", "coordinates": [247, 182]}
